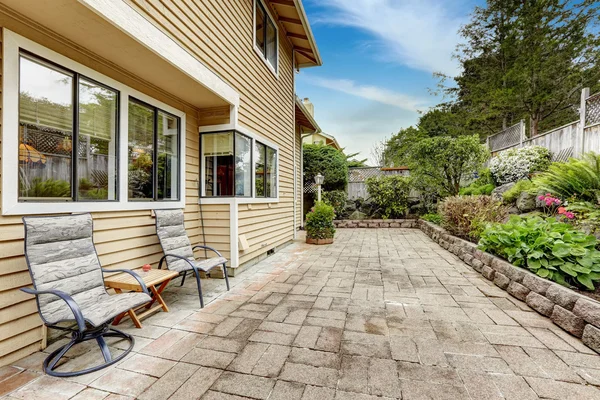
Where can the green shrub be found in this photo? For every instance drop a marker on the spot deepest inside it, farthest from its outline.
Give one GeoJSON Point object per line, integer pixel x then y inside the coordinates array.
{"type": "Point", "coordinates": [95, 194]}
{"type": "Point", "coordinates": [337, 199]}
{"type": "Point", "coordinates": [549, 248]}
{"type": "Point", "coordinates": [390, 193]}
{"type": "Point", "coordinates": [319, 222]}
{"type": "Point", "coordinates": [578, 178]}
{"type": "Point", "coordinates": [467, 216]}
{"type": "Point", "coordinates": [47, 188]}
{"type": "Point", "coordinates": [512, 194]}
{"type": "Point", "coordinates": [433, 218]}
{"type": "Point", "coordinates": [519, 163]}
{"type": "Point", "coordinates": [474, 189]}
{"type": "Point", "coordinates": [327, 161]}
{"type": "Point", "coordinates": [587, 216]}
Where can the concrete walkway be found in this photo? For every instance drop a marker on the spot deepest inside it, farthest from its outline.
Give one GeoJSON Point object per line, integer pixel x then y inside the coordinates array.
{"type": "Point", "coordinates": [382, 313]}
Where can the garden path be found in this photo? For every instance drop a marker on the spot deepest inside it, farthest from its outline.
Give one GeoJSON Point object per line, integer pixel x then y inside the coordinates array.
{"type": "Point", "coordinates": [381, 313]}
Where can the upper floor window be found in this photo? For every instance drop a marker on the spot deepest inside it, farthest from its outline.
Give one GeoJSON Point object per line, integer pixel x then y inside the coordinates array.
{"type": "Point", "coordinates": [232, 162]}
{"type": "Point", "coordinates": [265, 35]}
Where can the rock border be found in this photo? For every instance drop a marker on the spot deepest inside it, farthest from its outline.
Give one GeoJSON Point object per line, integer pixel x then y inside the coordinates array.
{"type": "Point", "coordinates": [573, 312]}
{"type": "Point", "coordinates": [376, 223]}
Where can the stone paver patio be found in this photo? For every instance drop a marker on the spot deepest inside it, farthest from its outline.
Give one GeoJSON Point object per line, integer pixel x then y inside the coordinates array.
{"type": "Point", "coordinates": [382, 313]}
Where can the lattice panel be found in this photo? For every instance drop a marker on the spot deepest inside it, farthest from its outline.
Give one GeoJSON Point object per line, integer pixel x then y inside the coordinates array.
{"type": "Point", "coordinates": [507, 138]}
{"type": "Point", "coordinates": [362, 174]}
{"type": "Point", "coordinates": [47, 142]}
{"type": "Point", "coordinates": [310, 187]}
{"type": "Point", "coordinates": [563, 155]}
{"type": "Point", "coordinates": [592, 110]}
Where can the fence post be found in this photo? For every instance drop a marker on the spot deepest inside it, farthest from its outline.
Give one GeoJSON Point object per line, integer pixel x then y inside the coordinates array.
{"type": "Point", "coordinates": [521, 132]}
{"type": "Point", "coordinates": [585, 93]}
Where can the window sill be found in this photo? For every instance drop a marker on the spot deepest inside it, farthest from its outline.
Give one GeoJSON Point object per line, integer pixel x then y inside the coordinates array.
{"type": "Point", "coordinates": [30, 208]}
{"type": "Point", "coordinates": [237, 200]}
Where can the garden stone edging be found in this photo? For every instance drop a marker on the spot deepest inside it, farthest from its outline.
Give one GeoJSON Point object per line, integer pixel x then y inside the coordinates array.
{"type": "Point", "coordinates": [575, 313]}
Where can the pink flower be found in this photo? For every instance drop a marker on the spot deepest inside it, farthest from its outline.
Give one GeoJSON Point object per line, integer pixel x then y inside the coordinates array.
{"type": "Point", "coordinates": [548, 202]}
{"type": "Point", "coordinates": [562, 210]}
{"type": "Point", "coordinates": [557, 202]}
{"type": "Point", "coordinates": [541, 197]}
{"type": "Point", "coordinates": [569, 215]}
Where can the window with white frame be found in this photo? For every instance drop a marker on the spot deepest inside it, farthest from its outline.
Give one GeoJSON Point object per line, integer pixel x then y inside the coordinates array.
{"type": "Point", "coordinates": [76, 140]}
{"type": "Point", "coordinates": [266, 38]}
{"type": "Point", "coordinates": [233, 162]}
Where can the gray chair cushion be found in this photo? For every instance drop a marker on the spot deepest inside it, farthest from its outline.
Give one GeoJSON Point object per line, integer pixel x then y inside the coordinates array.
{"type": "Point", "coordinates": [61, 256]}
{"type": "Point", "coordinates": [173, 238]}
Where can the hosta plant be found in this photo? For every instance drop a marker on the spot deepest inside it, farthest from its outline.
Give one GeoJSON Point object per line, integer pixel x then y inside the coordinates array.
{"type": "Point", "coordinates": [547, 247]}
{"type": "Point", "coordinates": [519, 163]}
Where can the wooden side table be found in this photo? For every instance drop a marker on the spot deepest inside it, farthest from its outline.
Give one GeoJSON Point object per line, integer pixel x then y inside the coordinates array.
{"type": "Point", "coordinates": [156, 280]}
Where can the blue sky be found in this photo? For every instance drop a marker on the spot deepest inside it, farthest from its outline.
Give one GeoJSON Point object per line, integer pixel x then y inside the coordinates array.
{"type": "Point", "coordinates": [378, 61]}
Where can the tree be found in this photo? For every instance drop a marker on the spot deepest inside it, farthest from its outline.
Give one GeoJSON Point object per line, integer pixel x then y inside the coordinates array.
{"type": "Point", "coordinates": [526, 59]}
{"type": "Point", "coordinates": [378, 153]}
{"type": "Point", "coordinates": [327, 161]}
{"type": "Point", "coordinates": [444, 161]}
{"type": "Point", "coordinates": [353, 162]}
{"type": "Point", "coordinates": [397, 148]}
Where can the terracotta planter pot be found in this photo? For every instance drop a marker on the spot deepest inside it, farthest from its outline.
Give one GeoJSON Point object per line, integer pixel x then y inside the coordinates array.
{"type": "Point", "coordinates": [319, 241]}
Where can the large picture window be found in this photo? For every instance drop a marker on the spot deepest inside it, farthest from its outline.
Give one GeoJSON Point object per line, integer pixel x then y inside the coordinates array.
{"type": "Point", "coordinates": [265, 35]}
{"type": "Point", "coordinates": [67, 134]}
{"type": "Point", "coordinates": [152, 153]}
{"type": "Point", "coordinates": [75, 140]}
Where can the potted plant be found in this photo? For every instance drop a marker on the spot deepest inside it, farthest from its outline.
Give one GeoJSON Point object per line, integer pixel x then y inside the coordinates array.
{"type": "Point", "coordinates": [319, 224]}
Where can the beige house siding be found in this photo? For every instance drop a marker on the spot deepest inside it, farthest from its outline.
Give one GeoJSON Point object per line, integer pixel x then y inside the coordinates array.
{"type": "Point", "coordinates": [220, 34]}
{"type": "Point", "coordinates": [123, 239]}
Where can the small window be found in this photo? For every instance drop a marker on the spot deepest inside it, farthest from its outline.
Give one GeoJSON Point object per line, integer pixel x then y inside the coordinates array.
{"type": "Point", "coordinates": [153, 153]}
{"type": "Point", "coordinates": [227, 161]}
{"type": "Point", "coordinates": [67, 135]}
{"type": "Point", "coordinates": [266, 36]}
{"type": "Point", "coordinates": [265, 171]}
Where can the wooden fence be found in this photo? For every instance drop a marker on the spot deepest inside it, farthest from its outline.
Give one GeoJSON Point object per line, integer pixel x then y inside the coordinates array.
{"type": "Point", "coordinates": [570, 140]}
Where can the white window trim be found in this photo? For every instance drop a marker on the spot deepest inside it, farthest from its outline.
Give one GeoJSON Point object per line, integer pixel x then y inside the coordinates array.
{"type": "Point", "coordinates": [263, 57]}
{"type": "Point", "coordinates": [240, 200]}
{"type": "Point", "coordinates": [12, 44]}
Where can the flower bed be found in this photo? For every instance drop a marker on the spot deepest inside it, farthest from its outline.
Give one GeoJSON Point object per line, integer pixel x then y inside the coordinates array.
{"type": "Point", "coordinates": [574, 312]}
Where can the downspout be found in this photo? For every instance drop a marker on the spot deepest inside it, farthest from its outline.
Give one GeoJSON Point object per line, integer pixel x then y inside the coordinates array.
{"type": "Point", "coordinates": [302, 173]}
{"type": "Point", "coordinates": [294, 147]}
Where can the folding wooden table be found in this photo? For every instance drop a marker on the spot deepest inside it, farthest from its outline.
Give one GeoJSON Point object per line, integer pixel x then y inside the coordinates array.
{"type": "Point", "coordinates": [156, 280]}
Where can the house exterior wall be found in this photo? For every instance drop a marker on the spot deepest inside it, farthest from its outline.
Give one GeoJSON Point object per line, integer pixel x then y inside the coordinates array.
{"type": "Point", "coordinates": [219, 34]}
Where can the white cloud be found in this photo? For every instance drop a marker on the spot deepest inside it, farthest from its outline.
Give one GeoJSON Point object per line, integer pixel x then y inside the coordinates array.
{"type": "Point", "coordinates": [421, 34]}
{"type": "Point", "coordinates": [374, 93]}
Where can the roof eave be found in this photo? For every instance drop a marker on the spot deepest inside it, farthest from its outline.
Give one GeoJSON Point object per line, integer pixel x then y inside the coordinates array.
{"type": "Point", "coordinates": [309, 35]}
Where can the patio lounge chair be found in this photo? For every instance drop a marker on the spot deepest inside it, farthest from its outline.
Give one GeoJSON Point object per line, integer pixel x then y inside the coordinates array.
{"type": "Point", "coordinates": [69, 286]}
{"type": "Point", "coordinates": [179, 253]}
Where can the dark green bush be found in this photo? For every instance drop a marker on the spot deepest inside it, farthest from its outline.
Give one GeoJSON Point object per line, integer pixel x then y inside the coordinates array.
{"type": "Point", "coordinates": [474, 190]}
{"type": "Point", "coordinates": [327, 161]}
{"type": "Point", "coordinates": [48, 188]}
{"type": "Point", "coordinates": [337, 199]}
{"type": "Point", "coordinates": [390, 193]}
{"type": "Point", "coordinates": [549, 248]}
{"type": "Point", "coordinates": [467, 216]}
{"type": "Point", "coordinates": [319, 222]}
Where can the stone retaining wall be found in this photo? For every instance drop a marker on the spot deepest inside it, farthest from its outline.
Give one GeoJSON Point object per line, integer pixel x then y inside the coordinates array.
{"type": "Point", "coordinates": [575, 313]}
{"type": "Point", "coordinates": [376, 223]}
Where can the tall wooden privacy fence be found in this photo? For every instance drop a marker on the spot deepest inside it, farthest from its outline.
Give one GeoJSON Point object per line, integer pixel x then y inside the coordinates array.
{"type": "Point", "coordinates": [570, 140]}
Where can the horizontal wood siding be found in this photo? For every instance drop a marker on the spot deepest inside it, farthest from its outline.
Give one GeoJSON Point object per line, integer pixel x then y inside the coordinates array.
{"type": "Point", "coordinates": [220, 34]}
{"type": "Point", "coordinates": [123, 239]}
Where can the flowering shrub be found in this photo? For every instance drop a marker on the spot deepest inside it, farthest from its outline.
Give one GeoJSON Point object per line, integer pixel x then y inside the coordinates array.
{"type": "Point", "coordinates": [547, 247]}
{"type": "Point", "coordinates": [319, 222]}
{"type": "Point", "coordinates": [549, 203]}
{"type": "Point", "coordinates": [517, 164]}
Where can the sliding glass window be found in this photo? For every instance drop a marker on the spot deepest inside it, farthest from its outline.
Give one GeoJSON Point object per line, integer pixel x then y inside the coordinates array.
{"type": "Point", "coordinates": [67, 134]}
{"type": "Point", "coordinates": [227, 163]}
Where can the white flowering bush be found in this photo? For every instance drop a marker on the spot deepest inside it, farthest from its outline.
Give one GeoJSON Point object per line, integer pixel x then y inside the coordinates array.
{"type": "Point", "coordinates": [516, 164]}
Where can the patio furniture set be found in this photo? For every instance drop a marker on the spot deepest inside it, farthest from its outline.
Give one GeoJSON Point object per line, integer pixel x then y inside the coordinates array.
{"type": "Point", "coordinates": [69, 283]}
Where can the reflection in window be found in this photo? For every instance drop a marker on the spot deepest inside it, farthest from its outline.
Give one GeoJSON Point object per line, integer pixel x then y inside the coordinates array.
{"type": "Point", "coordinates": [259, 171]}
{"type": "Point", "coordinates": [265, 33]}
{"type": "Point", "coordinates": [97, 161]}
{"type": "Point", "coordinates": [243, 165]}
{"type": "Point", "coordinates": [272, 44]}
{"type": "Point", "coordinates": [271, 175]}
{"type": "Point", "coordinates": [260, 28]}
{"type": "Point", "coordinates": [168, 163]}
{"type": "Point", "coordinates": [217, 151]}
{"type": "Point", "coordinates": [45, 130]}
{"type": "Point", "coordinates": [141, 151]}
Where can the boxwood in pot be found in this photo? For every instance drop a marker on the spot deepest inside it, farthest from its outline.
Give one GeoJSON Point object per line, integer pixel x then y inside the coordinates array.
{"type": "Point", "coordinates": [319, 224]}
